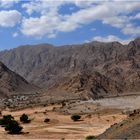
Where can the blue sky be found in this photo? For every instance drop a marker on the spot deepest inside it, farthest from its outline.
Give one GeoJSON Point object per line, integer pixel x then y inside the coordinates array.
{"type": "Point", "coordinates": [62, 22]}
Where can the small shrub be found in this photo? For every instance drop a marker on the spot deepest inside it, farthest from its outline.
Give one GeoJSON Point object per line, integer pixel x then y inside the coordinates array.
{"type": "Point", "coordinates": [46, 120]}
{"type": "Point", "coordinates": [90, 137]}
{"type": "Point", "coordinates": [6, 120]}
{"type": "Point", "coordinates": [75, 117]}
{"type": "Point", "coordinates": [25, 119]}
{"type": "Point", "coordinates": [10, 124]}
{"type": "Point", "coordinates": [44, 112]}
{"type": "Point", "coordinates": [13, 127]}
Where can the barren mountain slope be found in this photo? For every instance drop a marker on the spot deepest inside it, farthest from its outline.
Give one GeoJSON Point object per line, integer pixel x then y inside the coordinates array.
{"type": "Point", "coordinates": [11, 83]}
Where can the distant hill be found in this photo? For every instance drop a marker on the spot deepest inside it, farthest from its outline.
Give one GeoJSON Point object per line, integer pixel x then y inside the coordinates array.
{"type": "Point", "coordinates": [94, 69]}
{"type": "Point", "coordinates": [11, 83]}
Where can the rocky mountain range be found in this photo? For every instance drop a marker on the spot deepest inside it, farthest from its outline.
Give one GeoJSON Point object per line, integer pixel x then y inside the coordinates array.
{"type": "Point", "coordinates": [94, 69]}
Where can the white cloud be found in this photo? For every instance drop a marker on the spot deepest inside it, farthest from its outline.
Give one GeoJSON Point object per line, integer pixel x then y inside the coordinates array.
{"type": "Point", "coordinates": [131, 30]}
{"type": "Point", "coordinates": [9, 18]}
{"type": "Point", "coordinates": [111, 38]}
{"type": "Point", "coordinates": [117, 21]}
{"type": "Point", "coordinates": [137, 16]}
{"type": "Point", "coordinates": [15, 34]}
{"type": "Point", "coordinates": [40, 26]}
{"type": "Point", "coordinates": [7, 3]}
{"type": "Point", "coordinates": [51, 22]}
{"type": "Point", "coordinates": [43, 6]}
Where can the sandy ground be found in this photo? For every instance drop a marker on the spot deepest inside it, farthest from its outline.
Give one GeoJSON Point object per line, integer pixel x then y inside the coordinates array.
{"type": "Point", "coordinates": [60, 126]}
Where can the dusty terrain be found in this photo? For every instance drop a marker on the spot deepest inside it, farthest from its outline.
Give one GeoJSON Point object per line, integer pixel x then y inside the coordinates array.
{"type": "Point", "coordinates": [103, 118]}
{"type": "Point", "coordinates": [122, 104]}
{"type": "Point", "coordinates": [61, 126]}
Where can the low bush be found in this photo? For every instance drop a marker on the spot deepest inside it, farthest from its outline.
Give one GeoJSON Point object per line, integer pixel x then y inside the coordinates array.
{"type": "Point", "coordinates": [90, 137]}
{"type": "Point", "coordinates": [13, 127]}
{"type": "Point", "coordinates": [75, 117]}
{"type": "Point", "coordinates": [6, 120]}
{"type": "Point", "coordinates": [46, 120]}
{"type": "Point", "coordinates": [25, 119]}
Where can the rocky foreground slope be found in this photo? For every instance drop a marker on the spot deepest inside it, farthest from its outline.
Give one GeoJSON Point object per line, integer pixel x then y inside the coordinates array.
{"type": "Point", "coordinates": [127, 129]}
{"type": "Point", "coordinates": [93, 69]}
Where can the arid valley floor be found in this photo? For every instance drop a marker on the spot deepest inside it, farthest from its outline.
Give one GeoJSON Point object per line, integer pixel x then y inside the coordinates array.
{"type": "Point", "coordinates": [95, 119]}
{"type": "Point", "coordinates": [61, 126]}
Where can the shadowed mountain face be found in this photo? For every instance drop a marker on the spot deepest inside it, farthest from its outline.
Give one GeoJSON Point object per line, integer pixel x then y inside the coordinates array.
{"type": "Point", "coordinates": [98, 69]}
{"type": "Point", "coordinates": [11, 83]}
